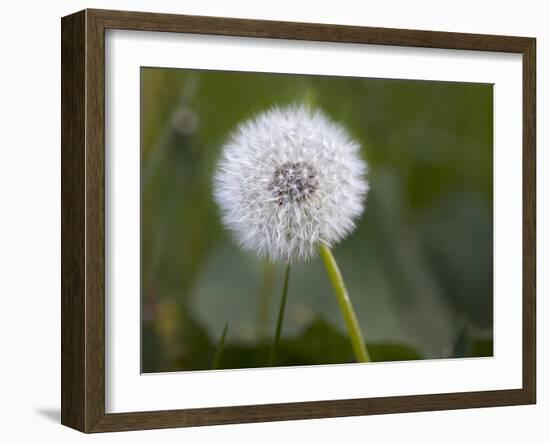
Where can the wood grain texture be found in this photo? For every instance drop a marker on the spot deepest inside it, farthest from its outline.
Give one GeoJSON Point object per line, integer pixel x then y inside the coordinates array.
{"type": "Point", "coordinates": [529, 221]}
{"type": "Point", "coordinates": [83, 220]}
{"type": "Point", "coordinates": [145, 21]}
{"type": "Point", "coordinates": [95, 222]}
{"type": "Point", "coordinates": [73, 129]}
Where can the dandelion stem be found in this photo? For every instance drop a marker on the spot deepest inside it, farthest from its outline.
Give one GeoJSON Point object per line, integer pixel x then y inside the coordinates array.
{"type": "Point", "coordinates": [356, 337]}
{"type": "Point", "coordinates": [219, 349]}
{"type": "Point", "coordinates": [277, 337]}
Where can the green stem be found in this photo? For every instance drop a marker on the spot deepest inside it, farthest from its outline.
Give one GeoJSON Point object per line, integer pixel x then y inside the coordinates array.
{"type": "Point", "coordinates": [219, 350]}
{"type": "Point", "coordinates": [267, 290]}
{"type": "Point", "coordinates": [356, 337]}
{"type": "Point", "coordinates": [280, 318]}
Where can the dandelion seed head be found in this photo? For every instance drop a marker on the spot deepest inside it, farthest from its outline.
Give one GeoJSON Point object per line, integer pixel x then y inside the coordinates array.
{"type": "Point", "coordinates": [288, 180]}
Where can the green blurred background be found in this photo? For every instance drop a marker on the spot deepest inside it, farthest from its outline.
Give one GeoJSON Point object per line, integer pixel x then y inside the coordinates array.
{"type": "Point", "coordinates": [418, 267]}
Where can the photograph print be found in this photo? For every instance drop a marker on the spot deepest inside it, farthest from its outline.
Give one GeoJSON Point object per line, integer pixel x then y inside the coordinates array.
{"type": "Point", "coordinates": [297, 220]}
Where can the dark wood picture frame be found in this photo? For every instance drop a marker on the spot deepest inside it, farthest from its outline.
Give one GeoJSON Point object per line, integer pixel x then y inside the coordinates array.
{"type": "Point", "coordinates": [83, 220]}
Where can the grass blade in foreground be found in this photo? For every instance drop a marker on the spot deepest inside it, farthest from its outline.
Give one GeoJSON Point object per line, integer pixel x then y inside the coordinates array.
{"type": "Point", "coordinates": [280, 318]}
{"type": "Point", "coordinates": [219, 350]}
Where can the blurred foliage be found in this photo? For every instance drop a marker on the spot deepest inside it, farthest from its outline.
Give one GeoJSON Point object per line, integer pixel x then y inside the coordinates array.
{"type": "Point", "coordinates": [418, 267]}
{"type": "Point", "coordinates": [320, 343]}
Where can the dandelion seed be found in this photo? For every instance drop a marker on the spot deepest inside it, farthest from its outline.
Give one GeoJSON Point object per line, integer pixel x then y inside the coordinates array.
{"type": "Point", "coordinates": [288, 181]}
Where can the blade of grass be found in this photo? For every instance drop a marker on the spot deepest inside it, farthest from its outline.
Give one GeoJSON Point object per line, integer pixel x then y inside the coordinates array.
{"type": "Point", "coordinates": [277, 337]}
{"type": "Point", "coordinates": [219, 349]}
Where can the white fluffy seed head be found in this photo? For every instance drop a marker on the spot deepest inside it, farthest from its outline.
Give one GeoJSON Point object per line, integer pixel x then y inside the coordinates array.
{"type": "Point", "coordinates": [287, 181]}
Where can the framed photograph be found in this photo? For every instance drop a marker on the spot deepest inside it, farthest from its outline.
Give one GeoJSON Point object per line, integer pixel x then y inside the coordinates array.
{"type": "Point", "coordinates": [267, 220]}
